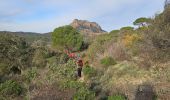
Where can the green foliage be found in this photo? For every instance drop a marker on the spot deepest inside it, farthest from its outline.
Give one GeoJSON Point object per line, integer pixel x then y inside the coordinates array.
{"type": "Point", "coordinates": [14, 52]}
{"type": "Point", "coordinates": [31, 74]}
{"type": "Point", "coordinates": [82, 92]}
{"type": "Point", "coordinates": [66, 70]}
{"type": "Point", "coordinates": [116, 97]}
{"type": "Point", "coordinates": [89, 71]}
{"type": "Point", "coordinates": [10, 88]}
{"type": "Point", "coordinates": [65, 75]}
{"type": "Point", "coordinates": [98, 46]}
{"type": "Point", "coordinates": [114, 33]}
{"type": "Point", "coordinates": [67, 37]}
{"type": "Point", "coordinates": [4, 69]}
{"type": "Point", "coordinates": [142, 21]}
{"type": "Point", "coordinates": [40, 56]}
{"type": "Point", "coordinates": [127, 28]}
{"type": "Point", "coordinates": [63, 58]}
{"type": "Point", "coordinates": [107, 61]}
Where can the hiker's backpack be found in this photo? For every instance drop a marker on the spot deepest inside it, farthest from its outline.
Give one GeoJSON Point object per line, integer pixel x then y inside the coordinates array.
{"type": "Point", "coordinates": [80, 63]}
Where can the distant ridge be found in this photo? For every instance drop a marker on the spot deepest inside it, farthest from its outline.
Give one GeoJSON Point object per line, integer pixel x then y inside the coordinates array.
{"type": "Point", "coordinates": [30, 36]}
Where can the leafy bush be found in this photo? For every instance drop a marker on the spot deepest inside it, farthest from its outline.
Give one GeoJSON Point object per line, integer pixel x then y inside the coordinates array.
{"type": "Point", "coordinates": [4, 69]}
{"type": "Point", "coordinates": [89, 71]}
{"type": "Point", "coordinates": [107, 61]}
{"type": "Point", "coordinates": [39, 58]}
{"type": "Point", "coordinates": [67, 37]}
{"type": "Point", "coordinates": [82, 92]}
{"type": "Point", "coordinates": [128, 28]}
{"type": "Point", "coordinates": [116, 97]}
{"type": "Point", "coordinates": [12, 47]}
{"type": "Point", "coordinates": [64, 58]}
{"type": "Point", "coordinates": [130, 39]}
{"type": "Point", "coordinates": [10, 88]}
{"type": "Point", "coordinates": [31, 74]}
{"type": "Point", "coordinates": [98, 46]}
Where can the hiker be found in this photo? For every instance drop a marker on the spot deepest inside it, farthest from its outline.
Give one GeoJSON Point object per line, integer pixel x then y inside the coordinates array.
{"type": "Point", "coordinates": [79, 66]}
{"type": "Point", "coordinates": [78, 60]}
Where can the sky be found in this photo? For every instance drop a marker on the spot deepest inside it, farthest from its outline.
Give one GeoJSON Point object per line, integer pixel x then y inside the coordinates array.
{"type": "Point", "coordinates": [45, 15]}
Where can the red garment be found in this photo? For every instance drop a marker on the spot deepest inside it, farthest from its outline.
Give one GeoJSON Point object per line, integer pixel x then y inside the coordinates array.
{"type": "Point", "coordinates": [72, 55]}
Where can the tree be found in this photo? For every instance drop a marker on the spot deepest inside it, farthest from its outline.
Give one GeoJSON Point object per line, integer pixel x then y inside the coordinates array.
{"type": "Point", "coordinates": [142, 21]}
{"type": "Point", "coordinates": [67, 37]}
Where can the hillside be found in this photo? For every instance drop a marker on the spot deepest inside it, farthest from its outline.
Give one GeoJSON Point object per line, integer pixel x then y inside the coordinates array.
{"type": "Point", "coordinates": [30, 36]}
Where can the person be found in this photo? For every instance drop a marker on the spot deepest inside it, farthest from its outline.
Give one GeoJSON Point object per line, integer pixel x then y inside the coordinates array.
{"type": "Point", "coordinates": [79, 67]}
{"type": "Point", "coordinates": [78, 60]}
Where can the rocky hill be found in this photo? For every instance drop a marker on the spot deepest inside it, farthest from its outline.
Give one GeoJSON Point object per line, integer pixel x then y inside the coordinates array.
{"type": "Point", "coordinates": [87, 28]}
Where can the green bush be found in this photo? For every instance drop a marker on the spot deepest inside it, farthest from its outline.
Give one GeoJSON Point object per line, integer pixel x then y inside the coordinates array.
{"type": "Point", "coordinates": [39, 58]}
{"type": "Point", "coordinates": [107, 61]}
{"type": "Point", "coordinates": [12, 47]}
{"type": "Point", "coordinates": [10, 88]}
{"type": "Point", "coordinates": [116, 97]}
{"type": "Point", "coordinates": [82, 92]}
{"type": "Point", "coordinates": [4, 69]}
{"type": "Point", "coordinates": [67, 37]}
{"type": "Point", "coordinates": [31, 74]}
{"type": "Point", "coordinates": [98, 46]}
{"type": "Point", "coordinates": [128, 28]}
{"type": "Point", "coordinates": [89, 71]}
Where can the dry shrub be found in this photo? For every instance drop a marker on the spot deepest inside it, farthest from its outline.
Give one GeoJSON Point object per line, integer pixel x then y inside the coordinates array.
{"type": "Point", "coordinates": [117, 51]}
{"type": "Point", "coordinates": [158, 37]}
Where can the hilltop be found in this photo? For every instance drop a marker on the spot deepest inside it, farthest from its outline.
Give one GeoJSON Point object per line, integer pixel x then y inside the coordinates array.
{"type": "Point", "coordinates": [87, 28]}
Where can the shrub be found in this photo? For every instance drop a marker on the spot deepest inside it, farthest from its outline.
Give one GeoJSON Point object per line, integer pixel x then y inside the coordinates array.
{"type": "Point", "coordinates": [117, 51]}
{"type": "Point", "coordinates": [39, 59]}
{"type": "Point", "coordinates": [128, 28]}
{"type": "Point", "coordinates": [107, 61]}
{"type": "Point", "coordinates": [67, 37]}
{"type": "Point", "coordinates": [4, 69]}
{"type": "Point", "coordinates": [63, 58]}
{"type": "Point", "coordinates": [98, 46]}
{"type": "Point", "coordinates": [12, 47]}
{"type": "Point", "coordinates": [157, 37]}
{"type": "Point", "coordinates": [116, 97]}
{"type": "Point", "coordinates": [10, 88]}
{"type": "Point", "coordinates": [130, 39]}
{"type": "Point", "coordinates": [89, 71]}
{"type": "Point", "coordinates": [83, 93]}
{"type": "Point", "coordinates": [31, 74]}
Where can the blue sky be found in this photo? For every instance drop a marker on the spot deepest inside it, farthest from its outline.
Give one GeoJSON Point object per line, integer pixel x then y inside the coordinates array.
{"type": "Point", "coordinates": [45, 15]}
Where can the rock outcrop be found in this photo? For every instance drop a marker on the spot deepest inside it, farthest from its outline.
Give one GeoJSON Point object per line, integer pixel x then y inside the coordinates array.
{"type": "Point", "coordinates": [87, 28]}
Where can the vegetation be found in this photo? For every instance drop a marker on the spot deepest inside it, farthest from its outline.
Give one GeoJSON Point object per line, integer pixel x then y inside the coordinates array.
{"type": "Point", "coordinates": [89, 71]}
{"type": "Point", "coordinates": [107, 61]}
{"type": "Point", "coordinates": [127, 28]}
{"type": "Point", "coordinates": [10, 88]}
{"type": "Point", "coordinates": [116, 97]}
{"type": "Point", "coordinates": [129, 63]}
{"type": "Point", "coordinates": [142, 21]}
{"type": "Point", "coordinates": [67, 37]}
